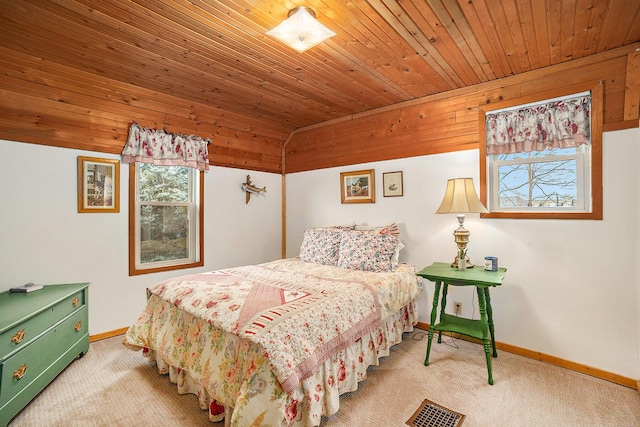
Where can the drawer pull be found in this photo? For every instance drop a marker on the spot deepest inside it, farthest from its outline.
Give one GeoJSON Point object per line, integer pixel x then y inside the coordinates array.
{"type": "Point", "coordinates": [19, 373]}
{"type": "Point", "coordinates": [75, 301]}
{"type": "Point", "coordinates": [19, 336]}
{"type": "Point", "coordinates": [78, 326]}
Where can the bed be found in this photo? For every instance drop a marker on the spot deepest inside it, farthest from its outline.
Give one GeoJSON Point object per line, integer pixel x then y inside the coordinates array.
{"type": "Point", "coordinates": [277, 343]}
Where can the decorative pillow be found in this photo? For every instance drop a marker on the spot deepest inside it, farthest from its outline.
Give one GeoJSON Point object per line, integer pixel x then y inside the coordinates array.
{"type": "Point", "coordinates": [321, 245]}
{"type": "Point", "coordinates": [391, 229]}
{"type": "Point", "coordinates": [367, 251]}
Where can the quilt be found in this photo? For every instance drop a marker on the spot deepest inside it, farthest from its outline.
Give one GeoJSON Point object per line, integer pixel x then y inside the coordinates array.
{"type": "Point", "coordinates": [240, 336]}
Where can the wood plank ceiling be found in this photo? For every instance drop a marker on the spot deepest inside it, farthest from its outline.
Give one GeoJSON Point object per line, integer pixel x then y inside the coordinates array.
{"type": "Point", "coordinates": [216, 53]}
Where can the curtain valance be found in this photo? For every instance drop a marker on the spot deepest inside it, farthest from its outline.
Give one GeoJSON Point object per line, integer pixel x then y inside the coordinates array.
{"type": "Point", "coordinates": [159, 147]}
{"type": "Point", "coordinates": [557, 124]}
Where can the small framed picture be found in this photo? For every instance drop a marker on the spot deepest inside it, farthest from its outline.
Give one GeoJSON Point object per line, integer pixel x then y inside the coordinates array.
{"type": "Point", "coordinates": [392, 182]}
{"type": "Point", "coordinates": [358, 187]}
{"type": "Point", "coordinates": [98, 185]}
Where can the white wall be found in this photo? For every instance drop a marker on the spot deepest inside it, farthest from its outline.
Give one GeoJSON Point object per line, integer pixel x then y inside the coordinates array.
{"type": "Point", "coordinates": [571, 289]}
{"type": "Point", "coordinates": [43, 238]}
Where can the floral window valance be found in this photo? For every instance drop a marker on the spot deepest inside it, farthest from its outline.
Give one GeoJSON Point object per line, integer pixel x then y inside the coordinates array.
{"type": "Point", "coordinates": [159, 147]}
{"type": "Point", "coordinates": [557, 124]}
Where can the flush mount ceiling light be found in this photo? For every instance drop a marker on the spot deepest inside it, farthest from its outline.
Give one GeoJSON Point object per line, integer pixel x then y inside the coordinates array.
{"type": "Point", "coordinates": [301, 30]}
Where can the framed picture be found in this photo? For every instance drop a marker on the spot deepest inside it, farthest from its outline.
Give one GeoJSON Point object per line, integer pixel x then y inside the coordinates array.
{"type": "Point", "coordinates": [98, 185]}
{"type": "Point", "coordinates": [392, 183]}
{"type": "Point", "coordinates": [358, 187]}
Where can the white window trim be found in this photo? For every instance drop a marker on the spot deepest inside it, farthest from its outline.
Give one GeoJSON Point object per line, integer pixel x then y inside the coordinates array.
{"type": "Point", "coordinates": [583, 181]}
{"type": "Point", "coordinates": [195, 233]}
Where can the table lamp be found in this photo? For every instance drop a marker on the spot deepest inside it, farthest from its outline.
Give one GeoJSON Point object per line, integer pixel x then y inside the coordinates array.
{"type": "Point", "coordinates": [460, 198]}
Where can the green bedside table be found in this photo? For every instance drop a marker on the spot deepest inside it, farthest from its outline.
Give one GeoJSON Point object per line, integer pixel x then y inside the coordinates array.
{"type": "Point", "coordinates": [442, 273]}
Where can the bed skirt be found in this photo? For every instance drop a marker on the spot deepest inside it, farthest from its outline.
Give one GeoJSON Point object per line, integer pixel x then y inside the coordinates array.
{"type": "Point", "coordinates": [261, 400]}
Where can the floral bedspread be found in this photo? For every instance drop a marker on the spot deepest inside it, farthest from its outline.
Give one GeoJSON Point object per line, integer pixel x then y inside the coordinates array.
{"type": "Point", "coordinates": [249, 338]}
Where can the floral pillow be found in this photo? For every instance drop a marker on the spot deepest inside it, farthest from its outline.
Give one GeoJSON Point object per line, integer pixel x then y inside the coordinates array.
{"type": "Point", "coordinates": [321, 245]}
{"type": "Point", "coordinates": [391, 229]}
{"type": "Point", "coordinates": [367, 251]}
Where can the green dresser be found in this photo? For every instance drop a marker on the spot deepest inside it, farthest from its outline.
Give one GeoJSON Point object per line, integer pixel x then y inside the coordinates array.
{"type": "Point", "coordinates": [41, 332]}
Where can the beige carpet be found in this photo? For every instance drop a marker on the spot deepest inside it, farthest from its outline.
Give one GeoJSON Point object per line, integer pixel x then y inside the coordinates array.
{"type": "Point", "coordinates": [114, 386]}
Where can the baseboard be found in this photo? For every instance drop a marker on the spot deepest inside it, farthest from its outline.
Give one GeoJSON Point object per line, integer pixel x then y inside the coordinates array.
{"type": "Point", "coordinates": [536, 355]}
{"type": "Point", "coordinates": [106, 335]}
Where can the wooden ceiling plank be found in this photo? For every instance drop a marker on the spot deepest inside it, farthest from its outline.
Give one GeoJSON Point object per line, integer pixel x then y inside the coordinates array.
{"type": "Point", "coordinates": [512, 87]}
{"type": "Point", "coordinates": [408, 70]}
{"type": "Point", "coordinates": [357, 64]}
{"type": "Point", "coordinates": [67, 115]}
{"type": "Point", "coordinates": [621, 15]}
{"type": "Point", "coordinates": [376, 92]}
{"type": "Point", "coordinates": [38, 105]}
{"type": "Point", "coordinates": [484, 48]}
{"type": "Point", "coordinates": [484, 24]}
{"type": "Point", "coordinates": [595, 27]}
{"type": "Point", "coordinates": [47, 114]}
{"type": "Point", "coordinates": [211, 65]}
{"type": "Point", "coordinates": [554, 30]}
{"type": "Point", "coordinates": [376, 45]}
{"type": "Point", "coordinates": [427, 44]}
{"type": "Point", "coordinates": [250, 109]}
{"type": "Point", "coordinates": [72, 46]}
{"type": "Point", "coordinates": [445, 38]}
{"type": "Point", "coordinates": [356, 82]}
{"type": "Point", "coordinates": [314, 93]}
{"type": "Point", "coordinates": [568, 16]}
{"type": "Point", "coordinates": [428, 52]}
{"type": "Point", "coordinates": [581, 22]}
{"type": "Point", "coordinates": [260, 83]}
{"type": "Point", "coordinates": [540, 25]}
{"type": "Point", "coordinates": [428, 78]}
{"type": "Point", "coordinates": [504, 16]}
{"type": "Point", "coordinates": [527, 23]}
{"type": "Point", "coordinates": [469, 38]}
{"type": "Point", "coordinates": [634, 31]}
{"type": "Point", "coordinates": [194, 21]}
{"type": "Point", "coordinates": [54, 75]}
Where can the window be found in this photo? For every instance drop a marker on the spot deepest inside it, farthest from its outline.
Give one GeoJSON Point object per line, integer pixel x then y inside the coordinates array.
{"type": "Point", "coordinates": [166, 218]}
{"type": "Point", "coordinates": [524, 173]}
{"type": "Point", "coordinates": [553, 181]}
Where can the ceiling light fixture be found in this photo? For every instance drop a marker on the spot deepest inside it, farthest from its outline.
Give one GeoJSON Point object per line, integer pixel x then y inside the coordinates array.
{"type": "Point", "coordinates": [301, 30]}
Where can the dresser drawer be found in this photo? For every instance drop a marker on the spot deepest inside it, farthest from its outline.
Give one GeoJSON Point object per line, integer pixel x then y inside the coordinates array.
{"type": "Point", "coordinates": [24, 367]}
{"type": "Point", "coordinates": [24, 333]}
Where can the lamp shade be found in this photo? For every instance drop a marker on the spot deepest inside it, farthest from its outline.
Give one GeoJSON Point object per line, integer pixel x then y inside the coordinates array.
{"type": "Point", "coordinates": [301, 30]}
{"type": "Point", "coordinates": [461, 197]}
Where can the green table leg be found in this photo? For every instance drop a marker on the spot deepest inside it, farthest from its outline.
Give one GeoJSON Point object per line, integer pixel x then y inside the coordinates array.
{"type": "Point", "coordinates": [434, 312]}
{"type": "Point", "coordinates": [490, 317]}
{"type": "Point", "coordinates": [443, 305]}
{"type": "Point", "coordinates": [485, 332]}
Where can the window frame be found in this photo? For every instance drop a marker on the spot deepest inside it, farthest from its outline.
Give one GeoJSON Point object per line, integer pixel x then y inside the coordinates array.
{"type": "Point", "coordinates": [595, 185]}
{"type": "Point", "coordinates": [134, 228]}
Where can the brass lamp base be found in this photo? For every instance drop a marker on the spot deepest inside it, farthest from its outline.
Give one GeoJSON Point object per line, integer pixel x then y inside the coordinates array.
{"type": "Point", "coordinates": [461, 237]}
